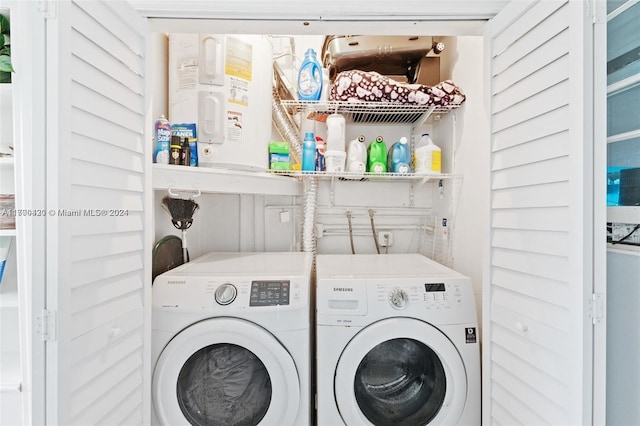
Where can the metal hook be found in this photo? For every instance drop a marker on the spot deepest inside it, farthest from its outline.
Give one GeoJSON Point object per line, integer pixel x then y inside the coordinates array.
{"type": "Point", "coordinates": [174, 194]}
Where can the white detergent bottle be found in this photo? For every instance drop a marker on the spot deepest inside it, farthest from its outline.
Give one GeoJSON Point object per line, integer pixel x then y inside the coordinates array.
{"type": "Point", "coordinates": [427, 157]}
{"type": "Point", "coordinates": [336, 127]}
{"type": "Point", "coordinates": [357, 155]}
{"type": "Point", "coordinates": [336, 150]}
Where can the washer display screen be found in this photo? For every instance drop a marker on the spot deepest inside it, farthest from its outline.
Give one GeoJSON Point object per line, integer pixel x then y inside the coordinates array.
{"type": "Point", "coordinates": [429, 287]}
{"type": "Point", "coordinates": [269, 293]}
{"type": "Point", "coordinates": [400, 381]}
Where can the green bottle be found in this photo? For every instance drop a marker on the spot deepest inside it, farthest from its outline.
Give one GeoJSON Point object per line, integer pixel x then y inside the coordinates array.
{"type": "Point", "coordinates": [377, 156]}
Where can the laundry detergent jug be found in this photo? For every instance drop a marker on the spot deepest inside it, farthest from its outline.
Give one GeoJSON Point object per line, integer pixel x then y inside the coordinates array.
{"type": "Point", "coordinates": [377, 156]}
{"type": "Point", "coordinates": [357, 155]}
{"type": "Point", "coordinates": [399, 159]}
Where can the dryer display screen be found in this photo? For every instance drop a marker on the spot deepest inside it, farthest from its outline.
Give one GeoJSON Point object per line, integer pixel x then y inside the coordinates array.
{"type": "Point", "coordinates": [269, 293]}
{"type": "Point", "coordinates": [429, 287]}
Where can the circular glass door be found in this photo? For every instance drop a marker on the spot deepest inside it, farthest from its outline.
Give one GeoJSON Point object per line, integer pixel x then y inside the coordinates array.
{"type": "Point", "coordinates": [224, 384]}
{"type": "Point", "coordinates": [400, 381]}
{"type": "Point", "coordinates": [225, 371]}
{"type": "Point", "coordinates": [400, 371]}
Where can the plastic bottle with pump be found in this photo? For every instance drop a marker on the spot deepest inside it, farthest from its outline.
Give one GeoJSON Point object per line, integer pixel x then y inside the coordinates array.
{"type": "Point", "coordinates": [309, 152]}
{"type": "Point", "coordinates": [427, 157]}
{"type": "Point", "coordinates": [357, 155]}
{"type": "Point", "coordinates": [310, 78]}
{"type": "Point", "coordinates": [399, 159]}
{"type": "Point", "coordinates": [377, 156]}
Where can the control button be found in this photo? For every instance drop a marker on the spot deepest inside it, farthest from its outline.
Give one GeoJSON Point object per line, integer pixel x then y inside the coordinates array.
{"type": "Point", "coordinates": [398, 298]}
{"type": "Point", "coordinates": [226, 293]}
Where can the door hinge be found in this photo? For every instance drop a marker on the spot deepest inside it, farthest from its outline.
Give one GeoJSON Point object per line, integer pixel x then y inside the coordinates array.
{"type": "Point", "coordinates": [596, 308]}
{"type": "Point", "coordinates": [46, 325]}
{"type": "Point", "coordinates": [47, 8]}
{"type": "Point", "coordinates": [598, 11]}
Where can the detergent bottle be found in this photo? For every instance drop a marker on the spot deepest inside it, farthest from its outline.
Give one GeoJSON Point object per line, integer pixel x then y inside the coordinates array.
{"type": "Point", "coordinates": [309, 152]}
{"type": "Point", "coordinates": [399, 158]}
{"type": "Point", "coordinates": [310, 78]}
{"type": "Point", "coordinates": [427, 157]}
{"type": "Point", "coordinates": [336, 128]}
{"type": "Point", "coordinates": [377, 156]}
{"type": "Point", "coordinates": [357, 155]}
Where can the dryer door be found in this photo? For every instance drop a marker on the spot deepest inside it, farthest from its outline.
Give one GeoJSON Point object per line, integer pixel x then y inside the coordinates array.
{"type": "Point", "coordinates": [400, 371]}
{"type": "Point", "coordinates": [225, 371]}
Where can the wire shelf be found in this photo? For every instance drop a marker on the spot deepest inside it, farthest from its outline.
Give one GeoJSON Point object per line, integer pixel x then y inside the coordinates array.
{"type": "Point", "coordinates": [368, 112]}
{"type": "Point", "coordinates": [368, 176]}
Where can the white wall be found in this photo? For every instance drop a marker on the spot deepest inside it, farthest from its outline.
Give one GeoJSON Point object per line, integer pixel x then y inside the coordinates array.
{"type": "Point", "coordinates": [471, 157]}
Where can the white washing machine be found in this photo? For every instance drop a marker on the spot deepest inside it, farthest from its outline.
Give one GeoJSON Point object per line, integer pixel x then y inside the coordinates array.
{"type": "Point", "coordinates": [231, 341]}
{"type": "Point", "coordinates": [397, 342]}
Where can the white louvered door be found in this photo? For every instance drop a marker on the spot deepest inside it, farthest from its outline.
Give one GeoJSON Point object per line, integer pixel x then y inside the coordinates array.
{"type": "Point", "coordinates": [96, 227]}
{"type": "Point", "coordinates": [538, 340]}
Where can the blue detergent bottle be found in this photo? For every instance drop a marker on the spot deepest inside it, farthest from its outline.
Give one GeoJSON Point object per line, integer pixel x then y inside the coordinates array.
{"type": "Point", "coordinates": [309, 152]}
{"type": "Point", "coordinates": [400, 157]}
{"type": "Point", "coordinates": [310, 78]}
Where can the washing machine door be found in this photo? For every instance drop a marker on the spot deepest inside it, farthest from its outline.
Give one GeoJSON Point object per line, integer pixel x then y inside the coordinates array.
{"type": "Point", "coordinates": [400, 371]}
{"type": "Point", "coordinates": [225, 371]}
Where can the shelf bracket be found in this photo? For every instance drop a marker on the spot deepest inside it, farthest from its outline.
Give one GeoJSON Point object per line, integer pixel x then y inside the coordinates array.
{"type": "Point", "coordinates": [412, 195]}
{"type": "Point", "coordinates": [332, 200]}
{"type": "Point", "coordinates": [424, 117]}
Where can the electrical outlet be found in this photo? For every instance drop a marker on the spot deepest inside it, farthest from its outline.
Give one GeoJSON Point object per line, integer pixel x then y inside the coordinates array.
{"type": "Point", "coordinates": [385, 239]}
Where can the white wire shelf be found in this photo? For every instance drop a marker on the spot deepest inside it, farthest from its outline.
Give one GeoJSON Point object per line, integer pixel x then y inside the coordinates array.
{"type": "Point", "coordinates": [368, 176]}
{"type": "Point", "coordinates": [369, 112]}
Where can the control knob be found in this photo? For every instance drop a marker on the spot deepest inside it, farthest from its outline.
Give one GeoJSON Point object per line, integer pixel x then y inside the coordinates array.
{"type": "Point", "coordinates": [398, 298]}
{"type": "Point", "coordinates": [226, 293]}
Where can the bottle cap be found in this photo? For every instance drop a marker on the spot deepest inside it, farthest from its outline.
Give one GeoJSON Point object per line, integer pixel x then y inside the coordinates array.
{"type": "Point", "coordinates": [309, 136]}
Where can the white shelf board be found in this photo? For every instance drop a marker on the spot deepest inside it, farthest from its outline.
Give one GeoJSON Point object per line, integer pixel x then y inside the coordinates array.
{"type": "Point", "coordinates": [623, 214]}
{"type": "Point", "coordinates": [217, 180]}
{"type": "Point", "coordinates": [7, 232]}
{"type": "Point", "coordinates": [7, 161]}
{"type": "Point", "coordinates": [10, 376]}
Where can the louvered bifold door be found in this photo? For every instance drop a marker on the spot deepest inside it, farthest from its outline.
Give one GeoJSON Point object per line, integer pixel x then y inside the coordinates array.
{"type": "Point", "coordinates": [537, 341]}
{"type": "Point", "coordinates": [96, 220]}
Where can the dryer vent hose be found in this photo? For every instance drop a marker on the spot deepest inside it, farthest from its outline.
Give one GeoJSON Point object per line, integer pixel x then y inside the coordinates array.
{"type": "Point", "coordinates": [290, 133]}
{"type": "Point", "coordinates": [309, 214]}
{"type": "Point", "coordinates": [286, 127]}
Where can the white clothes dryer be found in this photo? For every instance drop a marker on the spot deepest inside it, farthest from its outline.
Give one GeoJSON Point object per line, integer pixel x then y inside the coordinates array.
{"type": "Point", "coordinates": [231, 341]}
{"type": "Point", "coordinates": [397, 342]}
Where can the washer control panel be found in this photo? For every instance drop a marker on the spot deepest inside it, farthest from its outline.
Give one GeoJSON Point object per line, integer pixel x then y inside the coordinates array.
{"type": "Point", "coordinates": [431, 295]}
{"type": "Point", "coordinates": [398, 298]}
{"type": "Point", "coordinates": [269, 293]}
{"type": "Point", "coordinates": [226, 293]}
